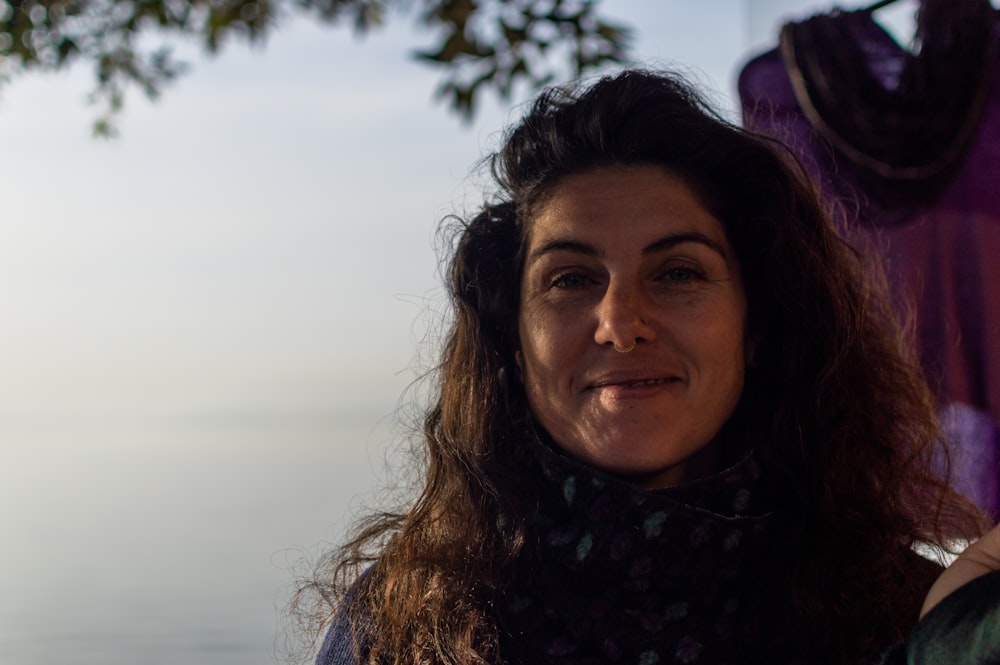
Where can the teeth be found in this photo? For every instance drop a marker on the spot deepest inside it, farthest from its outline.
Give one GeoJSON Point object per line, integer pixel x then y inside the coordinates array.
{"type": "Point", "coordinates": [647, 382]}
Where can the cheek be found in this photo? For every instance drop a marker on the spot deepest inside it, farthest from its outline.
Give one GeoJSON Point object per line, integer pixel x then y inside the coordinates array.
{"type": "Point", "coordinates": [541, 354]}
{"type": "Point", "coordinates": [531, 354]}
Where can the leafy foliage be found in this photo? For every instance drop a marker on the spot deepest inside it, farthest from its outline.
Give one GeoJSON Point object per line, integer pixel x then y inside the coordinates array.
{"type": "Point", "coordinates": [483, 44]}
{"type": "Point", "coordinates": [497, 44]}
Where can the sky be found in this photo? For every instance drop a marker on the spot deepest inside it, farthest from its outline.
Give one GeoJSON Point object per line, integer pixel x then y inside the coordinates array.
{"type": "Point", "coordinates": [260, 242]}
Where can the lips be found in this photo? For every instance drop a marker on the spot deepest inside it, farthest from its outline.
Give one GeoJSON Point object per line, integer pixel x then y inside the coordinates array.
{"type": "Point", "coordinates": [647, 382]}
{"type": "Point", "coordinates": [631, 380]}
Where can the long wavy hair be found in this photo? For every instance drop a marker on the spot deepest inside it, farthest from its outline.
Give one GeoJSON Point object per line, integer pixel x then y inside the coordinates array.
{"type": "Point", "coordinates": [836, 404]}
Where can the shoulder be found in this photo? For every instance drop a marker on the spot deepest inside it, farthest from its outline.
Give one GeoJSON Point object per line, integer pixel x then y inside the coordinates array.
{"type": "Point", "coordinates": [963, 629]}
{"type": "Point", "coordinates": [344, 641]}
{"type": "Point", "coordinates": [339, 646]}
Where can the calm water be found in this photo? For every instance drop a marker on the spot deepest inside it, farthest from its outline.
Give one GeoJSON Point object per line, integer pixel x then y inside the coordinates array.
{"type": "Point", "coordinates": [166, 545]}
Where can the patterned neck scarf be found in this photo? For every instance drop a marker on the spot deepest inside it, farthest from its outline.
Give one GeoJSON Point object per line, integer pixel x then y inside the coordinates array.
{"type": "Point", "coordinates": [613, 573]}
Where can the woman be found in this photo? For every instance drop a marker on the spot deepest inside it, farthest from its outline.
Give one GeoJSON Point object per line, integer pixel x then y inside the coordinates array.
{"type": "Point", "coordinates": [675, 420]}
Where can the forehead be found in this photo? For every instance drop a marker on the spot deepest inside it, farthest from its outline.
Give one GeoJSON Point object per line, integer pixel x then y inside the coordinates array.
{"type": "Point", "coordinates": [622, 202]}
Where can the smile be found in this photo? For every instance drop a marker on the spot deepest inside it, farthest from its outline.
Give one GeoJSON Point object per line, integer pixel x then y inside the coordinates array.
{"type": "Point", "coordinates": [647, 382]}
{"type": "Point", "coordinates": [626, 382]}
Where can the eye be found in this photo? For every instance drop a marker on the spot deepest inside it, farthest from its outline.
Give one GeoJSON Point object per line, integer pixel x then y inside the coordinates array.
{"type": "Point", "coordinates": [681, 275]}
{"type": "Point", "coordinates": [570, 280]}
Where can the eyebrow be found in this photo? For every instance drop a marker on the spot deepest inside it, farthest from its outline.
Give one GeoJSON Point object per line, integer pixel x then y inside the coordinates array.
{"type": "Point", "coordinates": [663, 244]}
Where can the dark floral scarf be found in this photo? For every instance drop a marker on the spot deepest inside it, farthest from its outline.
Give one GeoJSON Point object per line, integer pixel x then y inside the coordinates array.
{"type": "Point", "coordinates": [616, 574]}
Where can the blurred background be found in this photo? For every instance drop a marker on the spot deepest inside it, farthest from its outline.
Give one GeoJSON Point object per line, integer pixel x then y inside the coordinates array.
{"type": "Point", "coordinates": [208, 324]}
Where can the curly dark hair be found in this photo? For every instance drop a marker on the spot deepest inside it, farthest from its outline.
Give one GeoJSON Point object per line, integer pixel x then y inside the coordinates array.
{"type": "Point", "coordinates": [843, 420]}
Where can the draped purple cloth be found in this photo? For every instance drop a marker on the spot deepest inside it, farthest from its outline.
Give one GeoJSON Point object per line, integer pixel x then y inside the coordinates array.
{"type": "Point", "coordinates": [942, 255]}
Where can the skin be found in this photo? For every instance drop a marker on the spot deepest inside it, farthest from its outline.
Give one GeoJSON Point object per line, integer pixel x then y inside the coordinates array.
{"type": "Point", "coordinates": [619, 255]}
{"type": "Point", "coordinates": [980, 558]}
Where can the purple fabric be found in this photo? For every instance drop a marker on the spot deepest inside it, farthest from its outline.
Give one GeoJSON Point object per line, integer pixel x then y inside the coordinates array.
{"type": "Point", "coordinates": [974, 455]}
{"type": "Point", "coordinates": [942, 258]}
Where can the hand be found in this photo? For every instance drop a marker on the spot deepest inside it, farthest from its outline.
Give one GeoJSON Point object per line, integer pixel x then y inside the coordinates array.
{"type": "Point", "coordinates": [981, 557]}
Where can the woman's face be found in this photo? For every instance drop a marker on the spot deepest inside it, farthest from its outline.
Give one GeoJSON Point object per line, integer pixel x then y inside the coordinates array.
{"type": "Point", "coordinates": [620, 255]}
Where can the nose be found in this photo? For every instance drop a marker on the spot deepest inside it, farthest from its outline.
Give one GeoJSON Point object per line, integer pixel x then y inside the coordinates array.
{"type": "Point", "coordinates": [622, 318]}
